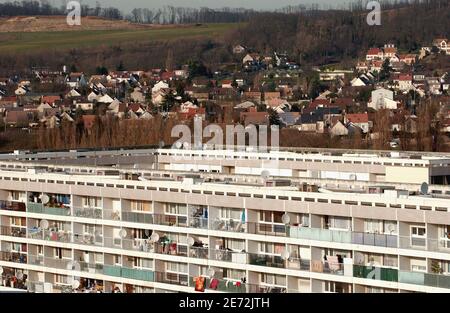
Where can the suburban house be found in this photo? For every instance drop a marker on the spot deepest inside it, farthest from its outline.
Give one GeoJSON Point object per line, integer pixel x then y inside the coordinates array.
{"type": "Point", "coordinates": [238, 49]}
{"type": "Point", "coordinates": [338, 129]}
{"type": "Point", "coordinates": [443, 45]}
{"type": "Point", "coordinates": [404, 82]}
{"type": "Point", "coordinates": [382, 99]}
{"type": "Point", "coordinates": [252, 117]}
{"type": "Point", "coordinates": [374, 54]}
{"type": "Point", "coordinates": [360, 120]}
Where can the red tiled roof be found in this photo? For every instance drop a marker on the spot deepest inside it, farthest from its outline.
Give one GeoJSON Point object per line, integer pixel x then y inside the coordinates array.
{"type": "Point", "coordinates": [374, 51]}
{"type": "Point", "coordinates": [358, 118]}
{"type": "Point", "coordinates": [50, 99]}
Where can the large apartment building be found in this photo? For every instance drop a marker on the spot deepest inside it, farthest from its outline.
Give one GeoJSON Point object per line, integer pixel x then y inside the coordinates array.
{"type": "Point", "coordinates": [166, 220]}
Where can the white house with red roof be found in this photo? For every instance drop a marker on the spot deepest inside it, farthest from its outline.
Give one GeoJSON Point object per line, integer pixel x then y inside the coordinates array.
{"type": "Point", "coordinates": [374, 54]}
{"type": "Point", "coordinates": [359, 119]}
{"type": "Point", "coordinates": [404, 82]}
{"type": "Point", "coordinates": [442, 44]}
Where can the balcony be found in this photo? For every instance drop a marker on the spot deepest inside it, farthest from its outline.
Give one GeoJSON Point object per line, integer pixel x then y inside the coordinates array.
{"type": "Point", "coordinates": [136, 217]}
{"type": "Point", "coordinates": [34, 207]}
{"type": "Point", "coordinates": [13, 206]}
{"type": "Point", "coordinates": [138, 274]}
{"type": "Point", "coordinates": [14, 257]}
{"type": "Point", "coordinates": [228, 226]}
{"type": "Point", "coordinates": [424, 279]}
{"type": "Point", "coordinates": [13, 231]}
{"type": "Point", "coordinates": [268, 229]}
{"type": "Point", "coordinates": [94, 213]}
{"type": "Point", "coordinates": [378, 273]}
{"type": "Point", "coordinates": [267, 260]}
{"type": "Point", "coordinates": [338, 236]}
{"type": "Point", "coordinates": [198, 222]}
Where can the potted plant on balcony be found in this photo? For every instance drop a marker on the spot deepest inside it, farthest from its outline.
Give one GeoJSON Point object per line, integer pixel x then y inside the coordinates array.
{"type": "Point", "coordinates": [436, 267]}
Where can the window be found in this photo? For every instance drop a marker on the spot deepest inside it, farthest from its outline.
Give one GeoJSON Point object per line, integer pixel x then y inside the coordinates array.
{"type": "Point", "coordinates": [235, 245]}
{"type": "Point", "coordinates": [63, 253]}
{"type": "Point", "coordinates": [227, 213]}
{"type": "Point", "coordinates": [173, 267]}
{"type": "Point", "coordinates": [16, 195]}
{"type": "Point", "coordinates": [390, 260]}
{"type": "Point", "coordinates": [140, 206]}
{"type": "Point", "coordinates": [418, 236]}
{"type": "Point", "coordinates": [92, 229]}
{"type": "Point", "coordinates": [336, 222]}
{"type": "Point", "coordinates": [118, 260]}
{"type": "Point", "coordinates": [98, 258]}
{"type": "Point", "coordinates": [60, 279]}
{"type": "Point", "coordinates": [92, 202]}
{"type": "Point", "coordinates": [270, 217]}
{"type": "Point", "coordinates": [271, 248]}
{"type": "Point", "coordinates": [373, 226]}
{"type": "Point", "coordinates": [176, 209]}
{"type": "Point", "coordinates": [233, 274]}
{"type": "Point", "coordinates": [271, 279]}
{"type": "Point", "coordinates": [18, 221]}
{"type": "Point", "coordinates": [147, 263]}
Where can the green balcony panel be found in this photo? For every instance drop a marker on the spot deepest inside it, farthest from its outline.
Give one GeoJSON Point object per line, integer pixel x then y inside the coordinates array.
{"type": "Point", "coordinates": [110, 270]}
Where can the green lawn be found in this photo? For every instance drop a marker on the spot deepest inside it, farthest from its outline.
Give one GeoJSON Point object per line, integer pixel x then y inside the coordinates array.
{"type": "Point", "coordinates": [29, 42]}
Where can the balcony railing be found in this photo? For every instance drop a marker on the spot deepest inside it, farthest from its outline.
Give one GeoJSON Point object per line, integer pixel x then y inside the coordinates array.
{"type": "Point", "coordinates": [359, 238]}
{"type": "Point", "coordinates": [13, 206]}
{"type": "Point", "coordinates": [358, 271]}
{"type": "Point", "coordinates": [267, 260]}
{"type": "Point", "coordinates": [39, 208]}
{"type": "Point", "coordinates": [88, 213]}
{"type": "Point", "coordinates": [378, 273]}
{"type": "Point", "coordinates": [14, 231]}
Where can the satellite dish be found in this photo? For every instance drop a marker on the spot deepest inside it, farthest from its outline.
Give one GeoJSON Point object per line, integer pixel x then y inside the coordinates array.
{"type": "Point", "coordinates": [44, 224]}
{"type": "Point", "coordinates": [178, 145]}
{"type": "Point", "coordinates": [211, 272]}
{"type": "Point", "coordinates": [123, 233]}
{"type": "Point", "coordinates": [286, 219]}
{"type": "Point", "coordinates": [154, 237]}
{"type": "Point", "coordinates": [285, 254]}
{"type": "Point", "coordinates": [74, 266]}
{"type": "Point", "coordinates": [147, 232]}
{"type": "Point", "coordinates": [75, 284]}
{"type": "Point", "coordinates": [391, 228]}
{"type": "Point", "coordinates": [359, 258]}
{"type": "Point", "coordinates": [191, 241]}
{"type": "Point", "coordinates": [186, 145]}
{"type": "Point", "coordinates": [265, 174]}
{"type": "Point", "coordinates": [424, 189]}
{"type": "Point", "coordinates": [162, 144]}
{"type": "Point", "coordinates": [19, 275]}
{"type": "Point", "coordinates": [45, 198]}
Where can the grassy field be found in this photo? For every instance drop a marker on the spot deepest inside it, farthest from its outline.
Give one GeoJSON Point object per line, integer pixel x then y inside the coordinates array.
{"type": "Point", "coordinates": [26, 42]}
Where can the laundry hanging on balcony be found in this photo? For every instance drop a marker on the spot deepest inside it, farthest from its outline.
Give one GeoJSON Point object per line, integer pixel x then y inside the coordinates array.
{"type": "Point", "coordinates": [243, 217]}
{"type": "Point", "coordinates": [200, 284]}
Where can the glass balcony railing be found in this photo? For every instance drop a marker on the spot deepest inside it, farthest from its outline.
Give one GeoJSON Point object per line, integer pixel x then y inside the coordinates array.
{"type": "Point", "coordinates": [267, 260]}
{"type": "Point", "coordinates": [378, 273]}
{"type": "Point", "coordinates": [424, 279]}
{"type": "Point", "coordinates": [95, 213]}
{"type": "Point", "coordinates": [359, 238]}
{"type": "Point", "coordinates": [34, 207]}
